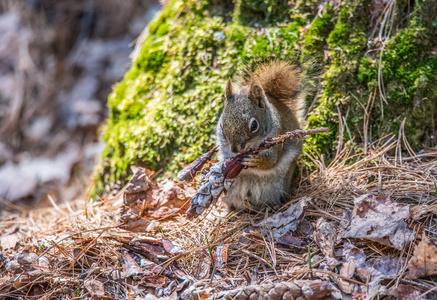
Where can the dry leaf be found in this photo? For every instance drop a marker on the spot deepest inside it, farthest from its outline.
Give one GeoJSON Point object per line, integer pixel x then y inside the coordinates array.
{"type": "Point", "coordinates": [170, 247]}
{"type": "Point", "coordinates": [13, 267]}
{"type": "Point", "coordinates": [347, 270]}
{"type": "Point", "coordinates": [220, 256]}
{"type": "Point", "coordinates": [44, 263]}
{"type": "Point", "coordinates": [424, 260]}
{"type": "Point", "coordinates": [172, 198]}
{"type": "Point", "coordinates": [130, 266]}
{"type": "Point", "coordinates": [372, 271]}
{"type": "Point", "coordinates": [27, 259]}
{"type": "Point", "coordinates": [352, 253]}
{"type": "Point", "coordinates": [325, 235]}
{"type": "Point", "coordinates": [155, 281]}
{"type": "Point", "coordinates": [405, 292]}
{"type": "Point", "coordinates": [95, 287]}
{"type": "Point", "coordinates": [379, 269]}
{"type": "Point", "coordinates": [380, 219]}
{"type": "Point", "coordinates": [146, 201]}
{"type": "Point", "coordinates": [282, 223]}
{"type": "Point", "coordinates": [146, 250]}
{"type": "Point", "coordinates": [10, 241]}
{"type": "Point", "coordinates": [288, 239]}
{"type": "Point", "coordinates": [418, 210]}
{"type": "Point", "coordinates": [137, 195]}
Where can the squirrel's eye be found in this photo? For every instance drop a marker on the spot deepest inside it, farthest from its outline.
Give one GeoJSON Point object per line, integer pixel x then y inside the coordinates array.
{"type": "Point", "coordinates": [253, 125]}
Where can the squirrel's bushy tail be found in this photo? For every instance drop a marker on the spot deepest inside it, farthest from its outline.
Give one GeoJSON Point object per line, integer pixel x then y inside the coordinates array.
{"type": "Point", "coordinates": [280, 80]}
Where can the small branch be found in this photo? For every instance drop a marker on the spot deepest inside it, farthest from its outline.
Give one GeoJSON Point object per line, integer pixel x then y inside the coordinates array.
{"type": "Point", "coordinates": [189, 172]}
{"type": "Point", "coordinates": [295, 134]}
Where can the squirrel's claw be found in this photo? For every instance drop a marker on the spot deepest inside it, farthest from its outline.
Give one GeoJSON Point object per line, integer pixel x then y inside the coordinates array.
{"type": "Point", "coordinates": [251, 161]}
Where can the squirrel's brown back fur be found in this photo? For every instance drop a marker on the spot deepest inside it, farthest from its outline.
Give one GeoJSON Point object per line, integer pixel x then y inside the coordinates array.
{"type": "Point", "coordinates": [279, 80]}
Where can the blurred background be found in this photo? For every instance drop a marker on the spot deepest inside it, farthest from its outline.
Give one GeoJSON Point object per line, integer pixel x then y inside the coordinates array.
{"type": "Point", "coordinates": [58, 63]}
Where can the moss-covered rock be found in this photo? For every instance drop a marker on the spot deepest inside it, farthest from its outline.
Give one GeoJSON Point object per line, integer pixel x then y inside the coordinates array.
{"type": "Point", "coordinates": [163, 113]}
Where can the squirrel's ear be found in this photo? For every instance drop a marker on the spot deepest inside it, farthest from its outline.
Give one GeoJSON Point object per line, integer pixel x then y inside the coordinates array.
{"type": "Point", "coordinates": [228, 91]}
{"type": "Point", "coordinates": [256, 94]}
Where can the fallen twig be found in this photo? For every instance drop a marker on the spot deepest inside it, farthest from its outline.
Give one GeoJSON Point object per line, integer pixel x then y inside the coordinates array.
{"type": "Point", "coordinates": [189, 172]}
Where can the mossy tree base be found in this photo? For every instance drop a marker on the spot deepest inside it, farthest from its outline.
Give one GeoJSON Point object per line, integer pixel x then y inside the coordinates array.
{"type": "Point", "coordinates": [163, 113]}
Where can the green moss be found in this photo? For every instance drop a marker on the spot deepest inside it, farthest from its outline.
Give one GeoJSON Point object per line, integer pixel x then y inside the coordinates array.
{"type": "Point", "coordinates": [162, 115]}
{"type": "Point", "coordinates": [314, 39]}
{"type": "Point", "coordinates": [264, 11]}
{"type": "Point", "coordinates": [344, 46]}
{"type": "Point", "coordinates": [409, 72]}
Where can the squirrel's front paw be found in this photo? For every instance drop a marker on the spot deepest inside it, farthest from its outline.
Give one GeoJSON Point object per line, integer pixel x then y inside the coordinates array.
{"type": "Point", "coordinates": [251, 161]}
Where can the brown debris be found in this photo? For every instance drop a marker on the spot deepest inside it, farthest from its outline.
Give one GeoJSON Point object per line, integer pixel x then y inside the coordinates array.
{"type": "Point", "coordinates": [285, 222]}
{"type": "Point", "coordinates": [10, 241]}
{"type": "Point", "coordinates": [325, 235]}
{"type": "Point", "coordinates": [288, 239]}
{"type": "Point", "coordinates": [224, 253]}
{"type": "Point", "coordinates": [424, 260]}
{"type": "Point", "coordinates": [95, 287]}
{"type": "Point", "coordinates": [145, 200]}
{"type": "Point", "coordinates": [347, 270]}
{"type": "Point", "coordinates": [220, 256]}
{"type": "Point", "coordinates": [380, 219]}
{"type": "Point", "coordinates": [170, 247]}
{"type": "Point", "coordinates": [405, 292]}
{"type": "Point", "coordinates": [130, 266]}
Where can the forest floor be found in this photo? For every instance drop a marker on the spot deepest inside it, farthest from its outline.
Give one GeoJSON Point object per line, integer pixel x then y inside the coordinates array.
{"type": "Point", "coordinates": [362, 227]}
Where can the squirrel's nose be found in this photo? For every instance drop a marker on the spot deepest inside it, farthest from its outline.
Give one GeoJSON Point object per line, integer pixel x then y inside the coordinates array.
{"type": "Point", "coordinates": [242, 143]}
{"type": "Point", "coordinates": [234, 148]}
{"type": "Point", "coordinates": [238, 146]}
